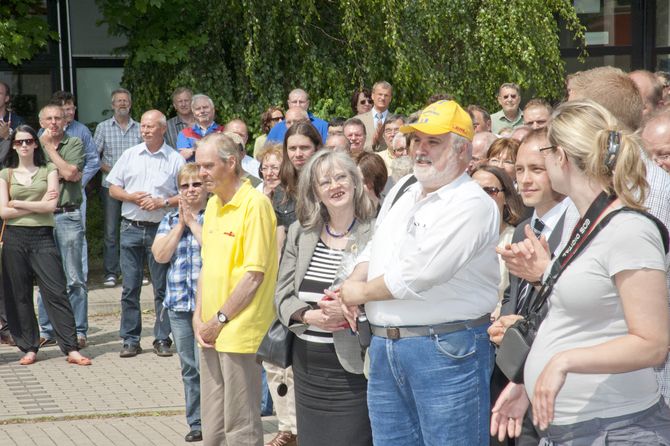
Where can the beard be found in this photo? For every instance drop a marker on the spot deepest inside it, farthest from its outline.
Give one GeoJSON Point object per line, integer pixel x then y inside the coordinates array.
{"type": "Point", "coordinates": [431, 178]}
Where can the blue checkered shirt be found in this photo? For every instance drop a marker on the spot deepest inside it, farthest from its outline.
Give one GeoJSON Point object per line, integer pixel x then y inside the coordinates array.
{"type": "Point", "coordinates": [182, 276]}
{"type": "Point", "coordinates": [112, 141]}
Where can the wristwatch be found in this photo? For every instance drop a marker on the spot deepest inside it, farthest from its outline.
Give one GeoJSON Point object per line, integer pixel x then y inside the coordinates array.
{"type": "Point", "coordinates": [166, 203]}
{"type": "Point", "coordinates": [223, 319]}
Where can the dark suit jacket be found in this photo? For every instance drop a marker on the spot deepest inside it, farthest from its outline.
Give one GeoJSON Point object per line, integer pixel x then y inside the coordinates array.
{"type": "Point", "coordinates": [300, 245]}
{"type": "Point", "coordinates": [516, 284]}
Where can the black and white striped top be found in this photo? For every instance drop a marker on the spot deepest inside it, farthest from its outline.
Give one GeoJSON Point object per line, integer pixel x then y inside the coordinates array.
{"type": "Point", "coordinates": [320, 275]}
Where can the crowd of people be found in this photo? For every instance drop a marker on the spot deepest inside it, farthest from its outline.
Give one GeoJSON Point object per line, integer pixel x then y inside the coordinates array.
{"type": "Point", "coordinates": [400, 253]}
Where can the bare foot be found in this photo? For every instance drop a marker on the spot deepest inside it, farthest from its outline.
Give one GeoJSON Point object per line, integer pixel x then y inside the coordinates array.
{"type": "Point", "coordinates": [28, 358]}
{"type": "Point", "coordinates": [74, 357]}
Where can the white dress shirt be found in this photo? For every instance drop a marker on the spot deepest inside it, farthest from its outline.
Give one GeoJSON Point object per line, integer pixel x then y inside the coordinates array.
{"type": "Point", "coordinates": [437, 255]}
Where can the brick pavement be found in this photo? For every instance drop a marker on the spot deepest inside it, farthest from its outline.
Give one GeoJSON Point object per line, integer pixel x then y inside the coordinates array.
{"type": "Point", "coordinates": [116, 401]}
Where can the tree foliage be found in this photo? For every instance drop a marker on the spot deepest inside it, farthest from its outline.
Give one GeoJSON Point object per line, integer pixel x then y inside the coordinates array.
{"type": "Point", "coordinates": [247, 54]}
{"type": "Point", "coordinates": [23, 30]}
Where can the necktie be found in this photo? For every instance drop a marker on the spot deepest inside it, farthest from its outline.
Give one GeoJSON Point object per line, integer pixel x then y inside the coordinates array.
{"type": "Point", "coordinates": [538, 227]}
{"type": "Point", "coordinates": [380, 119]}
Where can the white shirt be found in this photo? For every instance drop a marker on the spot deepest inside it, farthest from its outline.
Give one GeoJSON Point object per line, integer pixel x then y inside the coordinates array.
{"type": "Point", "coordinates": [251, 166]}
{"type": "Point", "coordinates": [551, 217]}
{"type": "Point", "coordinates": [139, 170]}
{"type": "Point", "coordinates": [437, 255]}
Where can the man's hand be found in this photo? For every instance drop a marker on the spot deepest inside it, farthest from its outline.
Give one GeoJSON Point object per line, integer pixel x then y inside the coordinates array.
{"type": "Point", "coordinates": [186, 153]}
{"type": "Point", "coordinates": [352, 292]}
{"type": "Point", "coordinates": [5, 128]}
{"type": "Point", "coordinates": [197, 326]}
{"type": "Point", "coordinates": [138, 197]}
{"type": "Point", "coordinates": [497, 329]}
{"type": "Point", "coordinates": [527, 259]}
{"type": "Point", "coordinates": [150, 203]}
{"type": "Point", "coordinates": [350, 312]}
{"type": "Point", "coordinates": [508, 412]}
{"type": "Point", "coordinates": [210, 330]}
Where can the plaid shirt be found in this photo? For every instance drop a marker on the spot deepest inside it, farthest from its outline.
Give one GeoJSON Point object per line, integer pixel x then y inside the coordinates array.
{"type": "Point", "coordinates": [112, 141]}
{"type": "Point", "coordinates": [182, 277]}
{"type": "Point", "coordinates": [174, 126]}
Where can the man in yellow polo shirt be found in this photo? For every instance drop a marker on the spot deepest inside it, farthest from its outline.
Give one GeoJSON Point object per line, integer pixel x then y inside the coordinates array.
{"type": "Point", "coordinates": [234, 306]}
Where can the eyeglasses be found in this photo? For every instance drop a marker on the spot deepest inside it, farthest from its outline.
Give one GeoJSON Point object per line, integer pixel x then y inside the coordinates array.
{"type": "Point", "coordinates": [492, 190]}
{"type": "Point", "coordinates": [268, 169]}
{"type": "Point", "coordinates": [543, 150]}
{"type": "Point", "coordinates": [194, 185]}
{"type": "Point", "coordinates": [340, 179]}
{"type": "Point", "coordinates": [498, 162]}
{"type": "Point", "coordinates": [509, 96]}
{"type": "Point", "coordinates": [365, 101]}
{"type": "Point", "coordinates": [20, 142]}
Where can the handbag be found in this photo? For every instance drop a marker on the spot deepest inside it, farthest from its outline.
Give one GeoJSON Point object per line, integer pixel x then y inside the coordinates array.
{"type": "Point", "coordinates": [519, 337]}
{"type": "Point", "coordinates": [4, 222]}
{"type": "Point", "coordinates": [277, 345]}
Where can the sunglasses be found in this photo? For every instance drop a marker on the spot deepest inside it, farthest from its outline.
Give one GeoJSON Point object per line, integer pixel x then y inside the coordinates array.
{"type": "Point", "coordinates": [20, 142]}
{"type": "Point", "coordinates": [365, 101]}
{"type": "Point", "coordinates": [277, 119]}
{"type": "Point", "coordinates": [194, 185]}
{"type": "Point", "coordinates": [491, 190]}
{"type": "Point", "coordinates": [508, 96]}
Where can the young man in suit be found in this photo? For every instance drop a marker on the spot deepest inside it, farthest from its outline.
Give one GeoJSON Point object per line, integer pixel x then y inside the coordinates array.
{"type": "Point", "coordinates": [547, 221]}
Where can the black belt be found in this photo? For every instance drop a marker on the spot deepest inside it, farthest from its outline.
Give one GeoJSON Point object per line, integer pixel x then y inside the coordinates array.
{"type": "Point", "coordinates": [66, 208]}
{"type": "Point", "coordinates": [427, 330]}
{"type": "Point", "coordinates": [141, 224]}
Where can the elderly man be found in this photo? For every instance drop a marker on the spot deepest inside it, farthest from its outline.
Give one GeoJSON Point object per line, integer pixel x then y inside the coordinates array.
{"type": "Point", "coordinates": [113, 137]}
{"type": "Point", "coordinates": [181, 101]}
{"type": "Point", "coordinates": [354, 131]}
{"type": "Point", "coordinates": [537, 113]}
{"type": "Point", "coordinates": [481, 119]}
{"type": "Point", "coordinates": [234, 301]}
{"type": "Point", "coordinates": [249, 164]}
{"type": "Point", "coordinates": [338, 142]}
{"type": "Point", "coordinates": [650, 88]}
{"type": "Point", "coordinates": [382, 94]}
{"type": "Point", "coordinates": [300, 99]}
{"type": "Point", "coordinates": [145, 180]}
{"type": "Point", "coordinates": [430, 359]}
{"type": "Point", "coordinates": [67, 153]}
{"type": "Point", "coordinates": [480, 147]}
{"type": "Point", "coordinates": [656, 138]}
{"type": "Point", "coordinates": [509, 98]}
{"type": "Point", "coordinates": [203, 112]}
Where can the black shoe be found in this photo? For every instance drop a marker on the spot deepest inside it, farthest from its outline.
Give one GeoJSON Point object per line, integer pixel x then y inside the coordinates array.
{"type": "Point", "coordinates": [192, 436]}
{"type": "Point", "coordinates": [162, 348]}
{"type": "Point", "coordinates": [130, 350]}
{"type": "Point", "coordinates": [47, 342]}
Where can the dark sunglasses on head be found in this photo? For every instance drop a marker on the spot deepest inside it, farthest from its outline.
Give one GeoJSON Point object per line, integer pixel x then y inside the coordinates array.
{"type": "Point", "coordinates": [195, 185]}
{"type": "Point", "coordinates": [491, 190]}
{"type": "Point", "coordinates": [20, 142]}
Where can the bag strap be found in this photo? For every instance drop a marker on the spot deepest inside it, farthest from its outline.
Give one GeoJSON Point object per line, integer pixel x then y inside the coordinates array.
{"type": "Point", "coordinates": [411, 180]}
{"type": "Point", "coordinates": [9, 197]}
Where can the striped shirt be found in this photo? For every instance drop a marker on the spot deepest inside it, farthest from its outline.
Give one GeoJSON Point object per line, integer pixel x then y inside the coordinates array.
{"type": "Point", "coordinates": [320, 275]}
{"type": "Point", "coordinates": [112, 141]}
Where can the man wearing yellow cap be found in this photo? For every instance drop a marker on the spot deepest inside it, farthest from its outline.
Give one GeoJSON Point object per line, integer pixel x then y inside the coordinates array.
{"type": "Point", "coordinates": [432, 280]}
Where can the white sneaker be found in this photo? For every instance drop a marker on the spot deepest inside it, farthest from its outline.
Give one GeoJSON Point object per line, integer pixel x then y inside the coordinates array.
{"type": "Point", "coordinates": [110, 281]}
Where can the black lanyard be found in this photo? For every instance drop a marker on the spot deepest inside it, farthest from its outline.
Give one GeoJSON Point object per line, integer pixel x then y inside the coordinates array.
{"type": "Point", "coordinates": [585, 231]}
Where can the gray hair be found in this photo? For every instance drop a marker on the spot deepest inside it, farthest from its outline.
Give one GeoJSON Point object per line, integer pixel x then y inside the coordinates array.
{"type": "Point", "coordinates": [457, 143]}
{"type": "Point", "coordinates": [310, 211]}
{"type": "Point", "coordinates": [401, 166]}
{"type": "Point", "coordinates": [382, 84]}
{"type": "Point", "coordinates": [197, 97]}
{"type": "Point", "coordinates": [511, 85]}
{"type": "Point", "coordinates": [226, 148]}
{"type": "Point", "coordinates": [122, 91]}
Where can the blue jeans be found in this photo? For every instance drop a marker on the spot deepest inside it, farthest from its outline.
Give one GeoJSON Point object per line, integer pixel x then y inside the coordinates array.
{"type": "Point", "coordinates": [266, 399]}
{"type": "Point", "coordinates": [84, 246]}
{"type": "Point", "coordinates": [189, 358]}
{"type": "Point", "coordinates": [69, 236]}
{"type": "Point", "coordinates": [431, 390]}
{"type": "Point", "coordinates": [110, 254]}
{"type": "Point", "coordinates": [135, 248]}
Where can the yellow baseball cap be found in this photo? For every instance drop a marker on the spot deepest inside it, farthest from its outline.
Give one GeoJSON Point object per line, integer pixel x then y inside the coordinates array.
{"type": "Point", "coordinates": [442, 117]}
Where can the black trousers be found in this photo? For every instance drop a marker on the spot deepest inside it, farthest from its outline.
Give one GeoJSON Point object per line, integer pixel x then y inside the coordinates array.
{"type": "Point", "coordinates": [30, 253]}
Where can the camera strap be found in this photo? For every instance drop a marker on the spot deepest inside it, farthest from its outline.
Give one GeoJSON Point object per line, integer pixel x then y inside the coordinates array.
{"type": "Point", "coordinates": [586, 229]}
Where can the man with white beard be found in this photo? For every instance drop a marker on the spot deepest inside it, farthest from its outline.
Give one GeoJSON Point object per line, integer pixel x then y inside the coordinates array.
{"type": "Point", "coordinates": [429, 287]}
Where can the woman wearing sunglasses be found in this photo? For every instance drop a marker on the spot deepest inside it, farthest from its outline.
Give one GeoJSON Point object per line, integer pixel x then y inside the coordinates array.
{"type": "Point", "coordinates": [28, 197]}
{"type": "Point", "coordinates": [498, 185]}
{"type": "Point", "coordinates": [361, 101]}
